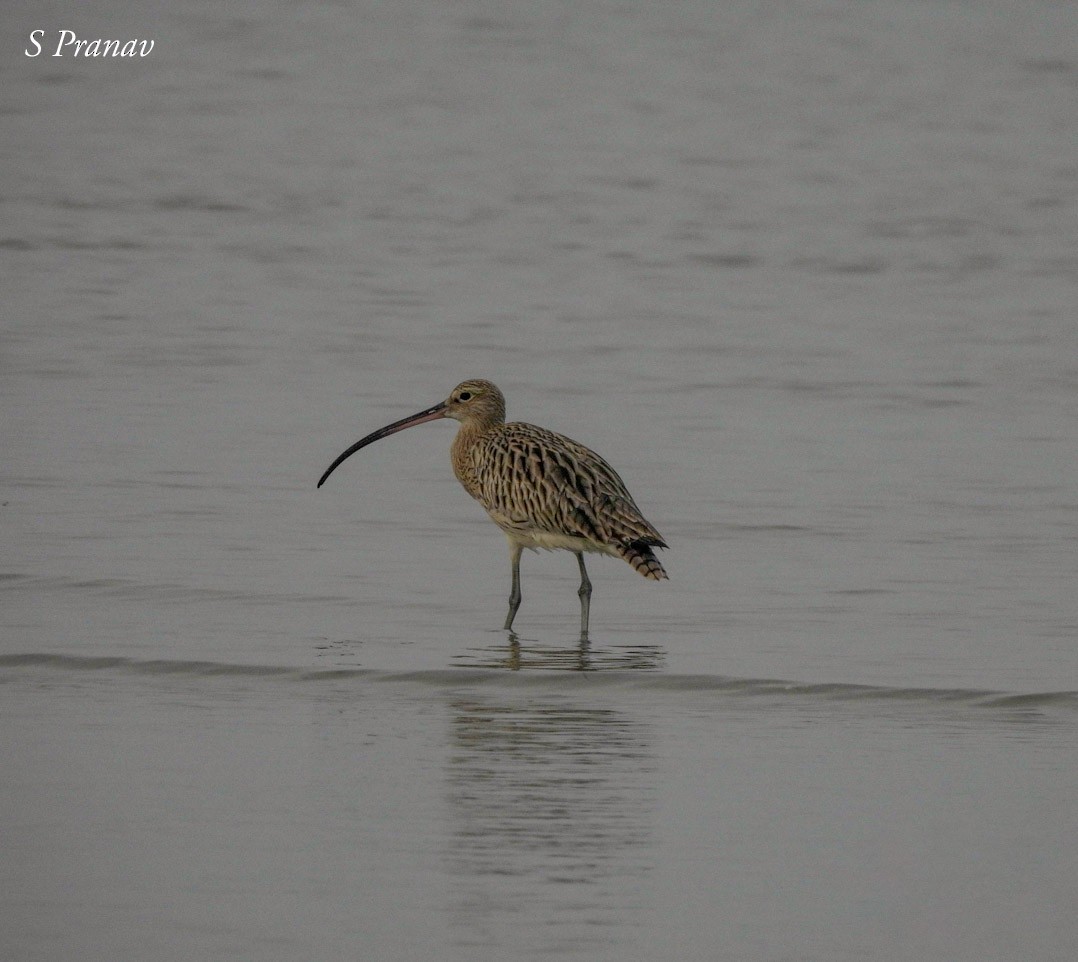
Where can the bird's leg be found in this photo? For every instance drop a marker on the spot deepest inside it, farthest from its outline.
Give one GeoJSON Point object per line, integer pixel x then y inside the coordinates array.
{"type": "Point", "coordinates": [585, 595]}
{"type": "Point", "coordinates": [514, 593]}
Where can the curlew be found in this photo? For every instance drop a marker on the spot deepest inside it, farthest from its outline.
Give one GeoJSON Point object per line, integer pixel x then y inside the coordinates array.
{"type": "Point", "coordinates": [542, 489]}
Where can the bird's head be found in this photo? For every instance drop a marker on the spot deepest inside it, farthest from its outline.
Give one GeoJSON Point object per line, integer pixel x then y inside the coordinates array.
{"type": "Point", "coordinates": [476, 402]}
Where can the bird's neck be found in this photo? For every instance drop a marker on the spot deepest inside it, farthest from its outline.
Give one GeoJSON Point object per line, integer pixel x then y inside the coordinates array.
{"type": "Point", "coordinates": [468, 439]}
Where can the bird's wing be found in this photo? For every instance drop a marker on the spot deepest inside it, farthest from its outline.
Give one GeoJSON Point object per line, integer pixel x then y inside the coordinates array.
{"type": "Point", "coordinates": [536, 478]}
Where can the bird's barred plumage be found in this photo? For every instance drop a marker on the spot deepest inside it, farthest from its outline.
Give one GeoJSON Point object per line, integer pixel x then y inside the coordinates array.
{"type": "Point", "coordinates": [546, 490]}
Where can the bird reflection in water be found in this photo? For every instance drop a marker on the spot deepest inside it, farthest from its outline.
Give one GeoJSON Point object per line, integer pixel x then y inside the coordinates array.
{"type": "Point", "coordinates": [583, 656]}
{"type": "Point", "coordinates": [551, 807]}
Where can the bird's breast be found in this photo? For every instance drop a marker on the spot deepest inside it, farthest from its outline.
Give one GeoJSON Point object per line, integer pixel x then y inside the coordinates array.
{"type": "Point", "coordinates": [467, 459]}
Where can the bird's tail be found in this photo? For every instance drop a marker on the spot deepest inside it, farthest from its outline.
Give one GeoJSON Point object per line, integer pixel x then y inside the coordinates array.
{"type": "Point", "coordinates": [642, 558]}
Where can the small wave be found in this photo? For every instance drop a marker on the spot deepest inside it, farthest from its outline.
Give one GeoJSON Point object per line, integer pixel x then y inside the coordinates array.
{"type": "Point", "coordinates": [159, 593]}
{"type": "Point", "coordinates": [142, 667]}
{"type": "Point", "coordinates": [745, 688]}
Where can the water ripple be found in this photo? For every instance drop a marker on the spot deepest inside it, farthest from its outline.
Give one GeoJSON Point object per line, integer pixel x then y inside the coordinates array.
{"type": "Point", "coordinates": [453, 678]}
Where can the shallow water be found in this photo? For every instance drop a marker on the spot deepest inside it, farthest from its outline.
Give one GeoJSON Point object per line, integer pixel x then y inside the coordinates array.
{"type": "Point", "coordinates": [804, 273]}
{"type": "Point", "coordinates": [271, 812]}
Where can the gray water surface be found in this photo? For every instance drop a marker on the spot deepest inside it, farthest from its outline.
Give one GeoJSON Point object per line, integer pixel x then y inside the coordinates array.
{"type": "Point", "coordinates": [232, 811]}
{"type": "Point", "coordinates": [804, 273]}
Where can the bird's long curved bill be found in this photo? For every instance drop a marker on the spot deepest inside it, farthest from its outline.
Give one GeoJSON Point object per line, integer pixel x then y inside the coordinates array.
{"type": "Point", "coordinates": [431, 414]}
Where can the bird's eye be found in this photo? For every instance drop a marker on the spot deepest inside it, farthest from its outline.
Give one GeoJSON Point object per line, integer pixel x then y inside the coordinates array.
{"type": "Point", "coordinates": [464, 396]}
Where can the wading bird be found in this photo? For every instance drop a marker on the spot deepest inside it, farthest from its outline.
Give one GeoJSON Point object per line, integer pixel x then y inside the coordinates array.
{"type": "Point", "coordinates": [542, 489]}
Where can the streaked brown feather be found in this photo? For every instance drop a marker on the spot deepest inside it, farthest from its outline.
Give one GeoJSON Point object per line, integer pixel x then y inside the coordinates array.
{"type": "Point", "coordinates": [539, 486]}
